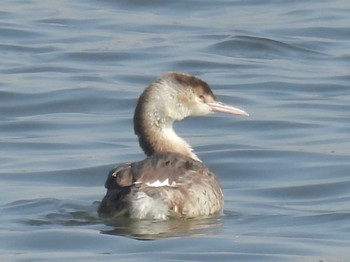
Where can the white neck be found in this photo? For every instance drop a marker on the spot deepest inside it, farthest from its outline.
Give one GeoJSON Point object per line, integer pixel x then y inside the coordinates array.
{"type": "Point", "coordinates": [178, 144]}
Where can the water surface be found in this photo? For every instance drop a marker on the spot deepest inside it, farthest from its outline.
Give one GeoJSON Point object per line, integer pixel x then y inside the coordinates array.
{"type": "Point", "coordinates": [70, 74]}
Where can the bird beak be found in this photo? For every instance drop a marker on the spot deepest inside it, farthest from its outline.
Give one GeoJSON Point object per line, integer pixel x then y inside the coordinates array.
{"type": "Point", "coordinates": [221, 107]}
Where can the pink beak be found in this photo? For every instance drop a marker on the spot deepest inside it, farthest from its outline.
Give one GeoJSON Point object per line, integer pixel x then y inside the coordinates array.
{"type": "Point", "coordinates": [221, 107]}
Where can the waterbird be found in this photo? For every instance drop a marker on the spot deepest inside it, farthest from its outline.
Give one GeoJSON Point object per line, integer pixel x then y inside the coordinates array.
{"type": "Point", "coordinates": [172, 182]}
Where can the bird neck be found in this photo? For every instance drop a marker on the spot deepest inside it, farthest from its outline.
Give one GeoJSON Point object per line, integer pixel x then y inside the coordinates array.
{"type": "Point", "coordinates": [156, 134]}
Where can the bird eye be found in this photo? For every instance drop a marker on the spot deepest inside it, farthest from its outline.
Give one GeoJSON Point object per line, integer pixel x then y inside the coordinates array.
{"type": "Point", "coordinates": [201, 97]}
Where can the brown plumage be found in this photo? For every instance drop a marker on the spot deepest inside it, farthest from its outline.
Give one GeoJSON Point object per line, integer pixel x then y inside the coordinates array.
{"type": "Point", "coordinates": [171, 181]}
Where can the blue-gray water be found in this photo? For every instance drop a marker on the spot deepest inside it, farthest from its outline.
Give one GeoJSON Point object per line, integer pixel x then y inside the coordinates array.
{"type": "Point", "coordinates": [70, 74]}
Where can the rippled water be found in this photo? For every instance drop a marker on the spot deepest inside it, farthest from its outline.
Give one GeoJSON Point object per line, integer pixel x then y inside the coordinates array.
{"type": "Point", "coordinates": [70, 74]}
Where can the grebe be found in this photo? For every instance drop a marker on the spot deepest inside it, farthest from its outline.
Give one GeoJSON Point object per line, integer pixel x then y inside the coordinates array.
{"type": "Point", "coordinates": [172, 181]}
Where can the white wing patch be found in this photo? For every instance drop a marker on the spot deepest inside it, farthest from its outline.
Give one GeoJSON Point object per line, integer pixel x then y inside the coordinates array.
{"type": "Point", "coordinates": [159, 183]}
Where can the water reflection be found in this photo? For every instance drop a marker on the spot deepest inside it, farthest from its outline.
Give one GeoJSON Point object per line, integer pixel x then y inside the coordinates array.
{"type": "Point", "coordinates": [156, 229]}
{"type": "Point", "coordinates": [50, 211]}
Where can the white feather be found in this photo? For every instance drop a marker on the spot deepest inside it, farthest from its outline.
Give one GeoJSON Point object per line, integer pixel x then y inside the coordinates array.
{"type": "Point", "coordinates": [159, 183]}
{"type": "Point", "coordinates": [144, 206]}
